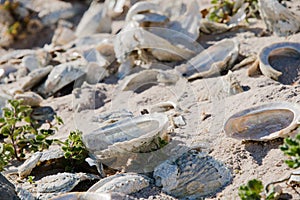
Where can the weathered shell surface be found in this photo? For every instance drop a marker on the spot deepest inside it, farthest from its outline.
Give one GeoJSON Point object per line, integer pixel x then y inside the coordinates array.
{"type": "Point", "coordinates": [263, 122]}
{"type": "Point", "coordinates": [279, 19]}
{"type": "Point", "coordinates": [152, 76]}
{"type": "Point", "coordinates": [294, 178]}
{"type": "Point", "coordinates": [192, 175]}
{"type": "Point", "coordinates": [129, 135]}
{"type": "Point", "coordinates": [264, 57]}
{"type": "Point", "coordinates": [92, 196]}
{"type": "Point", "coordinates": [124, 183]}
{"type": "Point", "coordinates": [62, 182]}
{"type": "Point", "coordinates": [62, 75]}
{"type": "Point", "coordinates": [212, 61]}
{"type": "Point", "coordinates": [118, 144]}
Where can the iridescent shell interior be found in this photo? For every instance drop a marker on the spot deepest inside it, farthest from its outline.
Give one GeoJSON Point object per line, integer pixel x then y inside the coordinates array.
{"type": "Point", "coordinates": [259, 122]}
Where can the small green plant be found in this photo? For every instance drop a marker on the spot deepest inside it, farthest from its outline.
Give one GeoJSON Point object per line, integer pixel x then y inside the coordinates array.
{"type": "Point", "coordinates": [223, 10]}
{"type": "Point", "coordinates": [20, 134]}
{"type": "Point", "coordinates": [30, 179]}
{"type": "Point", "coordinates": [74, 149]}
{"type": "Point", "coordinates": [291, 147]}
{"type": "Point", "coordinates": [251, 191]}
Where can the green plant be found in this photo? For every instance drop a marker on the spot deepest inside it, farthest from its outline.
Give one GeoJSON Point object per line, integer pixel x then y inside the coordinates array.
{"type": "Point", "coordinates": [20, 134]}
{"type": "Point", "coordinates": [251, 191]}
{"type": "Point", "coordinates": [30, 179]}
{"type": "Point", "coordinates": [74, 149]}
{"type": "Point", "coordinates": [223, 10]}
{"type": "Point", "coordinates": [291, 147]}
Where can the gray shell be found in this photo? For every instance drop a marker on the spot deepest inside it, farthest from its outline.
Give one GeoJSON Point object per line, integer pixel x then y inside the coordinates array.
{"type": "Point", "coordinates": [264, 55]}
{"type": "Point", "coordinates": [265, 122]}
{"type": "Point", "coordinates": [192, 175]}
{"type": "Point", "coordinates": [92, 196]}
{"type": "Point", "coordinates": [123, 183]}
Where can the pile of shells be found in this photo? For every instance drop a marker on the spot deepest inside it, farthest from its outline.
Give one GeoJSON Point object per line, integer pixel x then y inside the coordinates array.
{"type": "Point", "coordinates": [134, 45]}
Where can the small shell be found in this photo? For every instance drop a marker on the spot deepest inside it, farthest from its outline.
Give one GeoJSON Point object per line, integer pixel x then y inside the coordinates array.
{"type": "Point", "coordinates": [62, 182]}
{"type": "Point", "coordinates": [62, 75]}
{"type": "Point", "coordinates": [26, 168]}
{"type": "Point", "coordinates": [265, 122]}
{"type": "Point", "coordinates": [192, 175]}
{"type": "Point", "coordinates": [212, 61]}
{"type": "Point", "coordinates": [124, 183]}
{"type": "Point", "coordinates": [147, 77]}
{"type": "Point", "coordinates": [264, 55]}
{"type": "Point", "coordinates": [164, 106]}
{"type": "Point", "coordinates": [139, 7]}
{"type": "Point", "coordinates": [29, 98]}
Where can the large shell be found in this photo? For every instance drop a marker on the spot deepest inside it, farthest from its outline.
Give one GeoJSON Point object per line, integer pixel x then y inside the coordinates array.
{"type": "Point", "coordinates": [120, 140]}
{"type": "Point", "coordinates": [279, 19]}
{"type": "Point", "coordinates": [192, 175]}
{"type": "Point", "coordinates": [263, 122]}
{"type": "Point", "coordinates": [124, 183]}
{"type": "Point", "coordinates": [264, 55]}
{"type": "Point", "coordinates": [212, 61]}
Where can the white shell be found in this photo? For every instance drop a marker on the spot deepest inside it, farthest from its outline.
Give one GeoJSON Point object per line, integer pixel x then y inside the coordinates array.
{"type": "Point", "coordinates": [265, 122]}
{"type": "Point", "coordinates": [90, 196]}
{"type": "Point", "coordinates": [114, 144]}
{"type": "Point", "coordinates": [212, 61]}
{"type": "Point", "coordinates": [264, 54]}
{"type": "Point", "coordinates": [192, 175]}
{"type": "Point", "coordinates": [26, 168]}
{"type": "Point", "coordinates": [124, 183]}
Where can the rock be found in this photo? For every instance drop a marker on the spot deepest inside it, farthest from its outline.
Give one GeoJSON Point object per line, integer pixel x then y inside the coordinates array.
{"type": "Point", "coordinates": [25, 169]}
{"type": "Point", "coordinates": [7, 189]}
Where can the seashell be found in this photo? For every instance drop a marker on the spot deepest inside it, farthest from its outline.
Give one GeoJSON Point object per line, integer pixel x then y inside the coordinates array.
{"type": "Point", "coordinates": [29, 98]}
{"type": "Point", "coordinates": [278, 19]}
{"type": "Point", "coordinates": [212, 61]}
{"type": "Point", "coordinates": [294, 178]}
{"type": "Point", "coordinates": [15, 55]}
{"type": "Point", "coordinates": [146, 77]}
{"type": "Point", "coordinates": [35, 77]}
{"type": "Point", "coordinates": [122, 183]}
{"type": "Point", "coordinates": [26, 168]}
{"type": "Point", "coordinates": [265, 122]}
{"type": "Point", "coordinates": [164, 106]}
{"type": "Point", "coordinates": [34, 26]}
{"type": "Point", "coordinates": [94, 20]}
{"type": "Point", "coordinates": [152, 19]}
{"type": "Point", "coordinates": [6, 69]}
{"type": "Point", "coordinates": [62, 182]}
{"type": "Point", "coordinates": [192, 175]}
{"type": "Point", "coordinates": [264, 57]}
{"type": "Point", "coordinates": [62, 36]}
{"type": "Point", "coordinates": [91, 196]}
{"type": "Point", "coordinates": [130, 39]}
{"type": "Point", "coordinates": [116, 7]}
{"type": "Point", "coordinates": [126, 138]}
{"type": "Point", "coordinates": [140, 7]}
{"type": "Point", "coordinates": [62, 75]}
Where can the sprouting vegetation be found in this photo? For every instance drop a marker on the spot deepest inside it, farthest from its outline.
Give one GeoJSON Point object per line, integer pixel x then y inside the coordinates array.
{"type": "Point", "coordinates": [253, 190]}
{"type": "Point", "coordinates": [223, 10]}
{"type": "Point", "coordinates": [20, 134]}
{"type": "Point", "coordinates": [291, 147]}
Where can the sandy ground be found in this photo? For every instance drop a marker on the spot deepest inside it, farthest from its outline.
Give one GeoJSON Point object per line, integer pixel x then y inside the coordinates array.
{"type": "Point", "coordinates": [260, 160]}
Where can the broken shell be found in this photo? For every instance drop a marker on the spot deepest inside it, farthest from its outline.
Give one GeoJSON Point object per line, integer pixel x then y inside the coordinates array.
{"type": "Point", "coordinates": [164, 106]}
{"type": "Point", "coordinates": [212, 61]}
{"type": "Point", "coordinates": [147, 77]}
{"type": "Point", "coordinates": [35, 77]}
{"type": "Point", "coordinates": [140, 7]}
{"type": "Point", "coordinates": [265, 122]}
{"type": "Point", "coordinates": [91, 196]}
{"type": "Point", "coordinates": [29, 98]}
{"type": "Point", "coordinates": [126, 138]}
{"type": "Point", "coordinates": [62, 182]}
{"type": "Point", "coordinates": [265, 53]}
{"type": "Point", "coordinates": [192, 175]}
{"type": "Point", "coordinates": [294, 178]}
{"type": "Point", "coordinates": [124, 183]}
{"type": "Point", "coordinates": [278, 19]}
{"type": "Point", "coordinates": [62, 75]}
{"type": "Point", "coordinates": [26, 168]}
